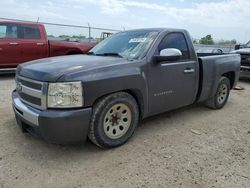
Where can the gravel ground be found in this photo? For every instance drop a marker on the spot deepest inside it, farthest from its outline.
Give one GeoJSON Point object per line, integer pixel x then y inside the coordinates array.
{"type": "Point", "coordinates": [189, 147]}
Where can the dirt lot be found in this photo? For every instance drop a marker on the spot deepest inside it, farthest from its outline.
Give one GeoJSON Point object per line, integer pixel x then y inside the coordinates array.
{"type": "Point", "coordinates": [190, 147]}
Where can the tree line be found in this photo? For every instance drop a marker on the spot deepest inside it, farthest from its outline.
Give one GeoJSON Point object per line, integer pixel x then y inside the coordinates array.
{"type": "Point", "coordinates": [68, 36]}
{"type": "Point", "coordinates": [208, 40]}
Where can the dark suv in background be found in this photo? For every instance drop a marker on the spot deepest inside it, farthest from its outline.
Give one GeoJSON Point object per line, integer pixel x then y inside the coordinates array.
{"type": "Point", "coordinates": [244, 51]}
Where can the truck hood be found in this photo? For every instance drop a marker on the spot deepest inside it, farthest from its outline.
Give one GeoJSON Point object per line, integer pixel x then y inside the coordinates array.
{"type": "Point", "coordinates": [84, 46]}
{"type": "Point", "coordinates": [51, 69]}
{"type": "Point", "coordinates": [242, 51]}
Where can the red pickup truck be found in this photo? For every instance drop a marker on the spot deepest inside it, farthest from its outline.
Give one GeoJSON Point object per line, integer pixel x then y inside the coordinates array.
{"type": "Point", "coordinates": [26, 41]}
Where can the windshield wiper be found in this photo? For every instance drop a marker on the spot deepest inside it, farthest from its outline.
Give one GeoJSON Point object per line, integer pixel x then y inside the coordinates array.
{"type": "Point", "coordinates": [110, 54]}
{"type": "Point", "coordinates": [90, 53]}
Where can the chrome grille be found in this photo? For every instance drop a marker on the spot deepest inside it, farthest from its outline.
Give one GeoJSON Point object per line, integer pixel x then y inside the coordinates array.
{"type": "Point", "coordinates": [245, 68]}
{"type": "Point", "coordinates": [245, 60]}
{"type": "Point", "coordinates": [32, 92]}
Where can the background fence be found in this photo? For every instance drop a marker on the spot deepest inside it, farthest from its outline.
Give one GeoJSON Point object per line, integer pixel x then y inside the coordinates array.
{"type": "Point", "coordinates": [224, 48]}
{"type": "Point", "coordinates": [64, 31]}
{"type": "Point", "coordinates": [88, 33]}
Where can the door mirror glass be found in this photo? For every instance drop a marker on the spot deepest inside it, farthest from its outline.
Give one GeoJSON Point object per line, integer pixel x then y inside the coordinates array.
{"type": "Point", "coordinates": [237, 47]}
{"type": "Point", "coordinates": [169, 54]}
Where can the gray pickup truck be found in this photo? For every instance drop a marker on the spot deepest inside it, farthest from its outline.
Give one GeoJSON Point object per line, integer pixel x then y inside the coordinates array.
{"type": "Point", "coordinates": [125, 78]}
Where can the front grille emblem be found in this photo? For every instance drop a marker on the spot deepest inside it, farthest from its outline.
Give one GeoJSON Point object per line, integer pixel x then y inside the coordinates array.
{"type": "Point", "coordinates": [19, 87]}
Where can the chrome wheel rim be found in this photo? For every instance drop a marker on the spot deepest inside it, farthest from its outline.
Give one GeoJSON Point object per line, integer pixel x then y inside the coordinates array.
{"type": "Point", "coordinates": [222, 95]}
{"type": "Point", "coordinates": [117, 121]}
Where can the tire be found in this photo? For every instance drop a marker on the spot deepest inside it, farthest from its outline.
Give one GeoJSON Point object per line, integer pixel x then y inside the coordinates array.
{"type": "Point", "coordinates": [220, 98]}
{"type": "Point", "coordinates": [114, 120]}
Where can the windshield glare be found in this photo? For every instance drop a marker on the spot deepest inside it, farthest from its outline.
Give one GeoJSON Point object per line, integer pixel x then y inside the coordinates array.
{"type": "Point", "coordinates": [130, 44]}
{"type": "Point", "coordinates": [248, 45]}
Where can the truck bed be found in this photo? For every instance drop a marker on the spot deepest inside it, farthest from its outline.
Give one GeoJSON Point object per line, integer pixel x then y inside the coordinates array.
{"type": "Point", "coordinates": [210, 54]}
{"type": "Point", "coordinates": [212, 67]}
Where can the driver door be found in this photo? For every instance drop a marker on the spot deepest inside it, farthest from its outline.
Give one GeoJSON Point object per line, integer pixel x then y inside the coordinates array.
{"type": "Point", "coordinates": [173, 83]}
{"type": "Point", "coordinates": [10, 47]}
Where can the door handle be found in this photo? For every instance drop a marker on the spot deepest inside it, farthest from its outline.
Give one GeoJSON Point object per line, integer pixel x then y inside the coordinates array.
{"type": "Point", "coordinates": [13, 43]}
{"type": "Point", "coordinates": [188, 70]}
{"type": "Point", "coordinates": [39, 44]}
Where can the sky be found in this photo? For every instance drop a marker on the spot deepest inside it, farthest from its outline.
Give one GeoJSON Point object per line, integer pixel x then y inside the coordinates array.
{"type": "Point", "coordinates": [224, 19]}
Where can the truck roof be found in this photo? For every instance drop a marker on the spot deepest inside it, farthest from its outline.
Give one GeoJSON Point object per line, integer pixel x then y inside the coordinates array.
{"type": "Point", "coordinates": [158, 29]}
{"type": "Point", "coordinates": [20, 22]}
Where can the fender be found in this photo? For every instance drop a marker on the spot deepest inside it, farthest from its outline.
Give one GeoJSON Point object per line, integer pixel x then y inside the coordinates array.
{"type": "Point", "coordinates": [99, 83]}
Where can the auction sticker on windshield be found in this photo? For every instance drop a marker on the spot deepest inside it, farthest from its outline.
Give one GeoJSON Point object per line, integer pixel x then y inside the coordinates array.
{"type": "Point", "coordinates": [137, 40]}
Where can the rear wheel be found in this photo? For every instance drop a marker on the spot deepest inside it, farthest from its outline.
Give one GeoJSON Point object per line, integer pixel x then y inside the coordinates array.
{"type": "Point", "coordinates": [220, 98]}
{"type": "Point", "coordinates": [114, 120]}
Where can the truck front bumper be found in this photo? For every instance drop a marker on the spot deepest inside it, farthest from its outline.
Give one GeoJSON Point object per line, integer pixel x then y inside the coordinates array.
{"type": "Point", "coordinates": [54, 126]}
{"type": "Point", "coordinates": [244, 72]}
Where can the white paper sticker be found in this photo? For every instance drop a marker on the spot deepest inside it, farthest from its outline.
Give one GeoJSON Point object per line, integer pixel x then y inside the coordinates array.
{"type": "Point", "coordinates": [137, 40]}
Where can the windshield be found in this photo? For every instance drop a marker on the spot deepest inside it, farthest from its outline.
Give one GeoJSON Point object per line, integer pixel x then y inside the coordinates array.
{"type": "Point", "coordinates": [130, 45]}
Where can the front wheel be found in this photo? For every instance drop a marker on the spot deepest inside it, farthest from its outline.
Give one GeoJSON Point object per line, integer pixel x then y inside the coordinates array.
{"type": "Point", "coordinates": [114, 120]}
{"type": "Point", "coordinates": [220, 98]}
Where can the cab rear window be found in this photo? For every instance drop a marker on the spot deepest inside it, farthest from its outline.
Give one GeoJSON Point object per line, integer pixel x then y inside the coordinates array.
{"type": "Point", "coordinates": [31, 32]}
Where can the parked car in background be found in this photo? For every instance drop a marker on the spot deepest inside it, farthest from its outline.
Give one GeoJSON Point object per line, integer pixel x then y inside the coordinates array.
{"type": "Point", "coordinates": [105, 35]}
{"type": "Point", "coordinates": [26, 41]}
{"type": "Point", "coordinates": [129, 76]}
{"type": "Point", "coordinates": [210, 50]}
{"type": "Point", "coordinates": [244, 51]}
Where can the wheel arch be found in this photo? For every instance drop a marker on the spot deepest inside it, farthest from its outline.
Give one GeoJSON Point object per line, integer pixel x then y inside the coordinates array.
{"type": "Point", "coordinates": [231, 76]}
{"type": "Point", "coordinates": [139, 99]}
{"type": "Point", "coordinates": [74, 52]}
{"type": "Point", "coordinates": [136, 94]}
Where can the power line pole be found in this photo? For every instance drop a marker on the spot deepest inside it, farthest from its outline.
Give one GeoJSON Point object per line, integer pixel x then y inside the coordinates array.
{"type": "Point", "coordinates": [89, 32]}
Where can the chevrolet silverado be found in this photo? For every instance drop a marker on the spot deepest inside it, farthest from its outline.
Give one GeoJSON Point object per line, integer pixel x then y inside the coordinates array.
{"type": "Point", "coordinates": [125, 78]}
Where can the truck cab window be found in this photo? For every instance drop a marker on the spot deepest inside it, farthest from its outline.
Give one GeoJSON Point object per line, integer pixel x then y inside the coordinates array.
{"type": "Point", "coordinates": [129, 45]}
{"type": "Point", "coordinates": [3, 31]}
{"type": "Point", "coordinates": [31, 32]}
{"type": "Point", "coordinates": [175, 40]}
{"type": "Point", "coordinates": [8, 31]}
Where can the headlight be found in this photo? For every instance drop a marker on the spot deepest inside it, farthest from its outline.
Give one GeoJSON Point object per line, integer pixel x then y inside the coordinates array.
{"type": "Point", "coordinates": [65, 95]}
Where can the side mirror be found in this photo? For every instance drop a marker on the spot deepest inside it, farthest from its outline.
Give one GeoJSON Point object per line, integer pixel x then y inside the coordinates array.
{"type": "Point", "coordinates": [237, 47]}
{"type": "Point", "coordinates": [169, 54]}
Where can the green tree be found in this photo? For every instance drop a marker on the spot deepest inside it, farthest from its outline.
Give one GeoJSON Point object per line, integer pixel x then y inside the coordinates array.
{"type": "Point", "coordinates": [79, 36]}
{"type": "Point", "coordinates": [195, 41]}
{"type": "Point", "coordinates": [207, 40]}
{"type": "Point", "coordinates": [51, 36]}
{"type": "Point", "coordinates": [64, 36]}
{"type": "Point", "coordinates": [233, 41]}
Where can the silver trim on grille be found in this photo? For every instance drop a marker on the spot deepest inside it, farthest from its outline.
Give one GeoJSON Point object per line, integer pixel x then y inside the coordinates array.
{"type": "Point", "coordinates": [39, 94]}
{"type": "Point", "coordinates": [245, 67]}
{"type": "Point", "coordinates": [32, 92]}
{"type": "Point", "coordinates": [27, 114]}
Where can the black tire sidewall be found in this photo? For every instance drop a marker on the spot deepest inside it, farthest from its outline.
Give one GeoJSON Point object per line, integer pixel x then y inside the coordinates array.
{"type": "Point", "coordinates": [101, 138]}
{"type": "Point", "coordinates": [225, 81]}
